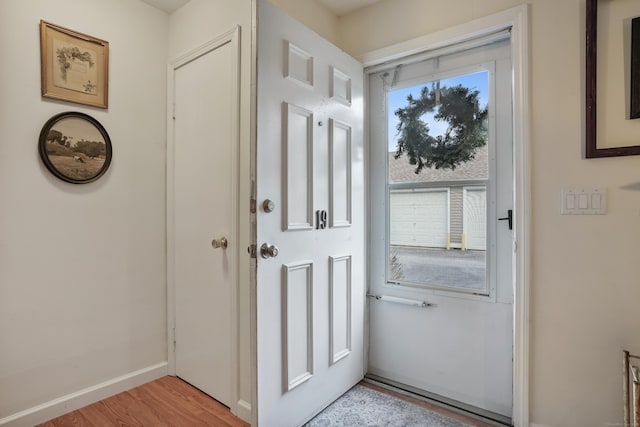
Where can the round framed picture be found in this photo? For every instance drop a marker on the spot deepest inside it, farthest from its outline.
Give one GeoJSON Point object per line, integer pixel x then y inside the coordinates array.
{"type": "Point", "coordinates": [75, 147]}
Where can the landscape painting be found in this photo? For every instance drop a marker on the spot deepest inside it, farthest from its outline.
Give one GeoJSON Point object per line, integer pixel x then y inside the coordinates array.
{"type": "Point", "coordinates": [75, 147]}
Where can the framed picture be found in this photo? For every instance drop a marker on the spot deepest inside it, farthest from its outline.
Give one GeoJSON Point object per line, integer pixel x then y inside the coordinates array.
{"type": "Point", "coordinates": [594, 149]}
{"type": "Point", "coordinates": [635, 68]}
{"type": "Point", "coordinates": [75, 147]}
{"type": "Point", "coordinates": [74, 66]}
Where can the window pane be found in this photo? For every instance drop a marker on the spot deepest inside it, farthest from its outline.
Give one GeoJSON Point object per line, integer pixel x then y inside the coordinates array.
{"type": "Point", "coordinates": [438, 174]}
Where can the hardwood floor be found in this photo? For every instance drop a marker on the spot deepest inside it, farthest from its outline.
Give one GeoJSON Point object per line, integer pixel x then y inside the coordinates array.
{"type": "Point", "coordinates": [168, 401]}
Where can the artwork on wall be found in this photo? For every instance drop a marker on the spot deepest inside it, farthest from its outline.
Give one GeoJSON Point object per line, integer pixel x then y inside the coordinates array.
{"type": "Point", "coordinates": [592, 150]}
{"type": "Point", "coordinates": [74, 66]}
{"type": "Point", "coordinates": [635, 68]}
{"type": "Point", "coordinates": [75, 147]}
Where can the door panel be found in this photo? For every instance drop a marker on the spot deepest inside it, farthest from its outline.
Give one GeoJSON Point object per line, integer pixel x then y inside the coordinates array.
{"type": "Point", "coordinates": [460, 346]}
{"type": "Point", "coordinates": [203, 208]}
{"type": "Point", "coordinates": [310, 297]}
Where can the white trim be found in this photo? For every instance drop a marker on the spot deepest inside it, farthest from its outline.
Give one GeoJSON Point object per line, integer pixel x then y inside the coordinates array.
{"type": "Point", "coordinates": [517, 20]}
{"type": "Point", "coordinates": [522, 176]}
{"type": "Point", "coordinates": [244, 410]}
{"type": "Point", "coordinates": [81, 398]}
{"type": "Point", "coordinates": [232, 37]}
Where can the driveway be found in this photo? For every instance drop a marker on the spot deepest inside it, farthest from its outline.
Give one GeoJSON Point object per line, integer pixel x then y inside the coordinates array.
{"type": "Point", "coordinates": [461, 269]}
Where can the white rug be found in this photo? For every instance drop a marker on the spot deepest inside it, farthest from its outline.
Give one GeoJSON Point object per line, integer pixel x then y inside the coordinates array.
{"type": "Point", "coordinates": [362, 406]}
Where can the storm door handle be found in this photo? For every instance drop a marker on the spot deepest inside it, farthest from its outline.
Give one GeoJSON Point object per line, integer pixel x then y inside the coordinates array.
{"type": "Point", "coordinates": [509, 218]}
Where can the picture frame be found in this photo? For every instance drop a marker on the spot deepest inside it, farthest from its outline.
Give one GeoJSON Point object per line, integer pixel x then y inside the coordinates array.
{"type": "Point", "coordinates": [635, 69]}
{"type": "Point", "coordinates": [591, 64]}
{"type": "Point", "coordinates": [74, 67]}
{"type": "Point", "coordinates": [75, 147]}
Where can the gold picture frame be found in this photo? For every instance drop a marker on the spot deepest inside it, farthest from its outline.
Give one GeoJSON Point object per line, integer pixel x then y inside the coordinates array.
{"type": "Point", "coordinates": [74, 66]}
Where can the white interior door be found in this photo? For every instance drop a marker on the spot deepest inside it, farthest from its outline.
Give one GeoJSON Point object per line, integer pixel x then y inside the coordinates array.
{"type": "Point", "coordinates": [203, 207]}
{"type": "Point", "coordinates": [310, 295]}
{"type": "Point", "coordinates": [459, 348]}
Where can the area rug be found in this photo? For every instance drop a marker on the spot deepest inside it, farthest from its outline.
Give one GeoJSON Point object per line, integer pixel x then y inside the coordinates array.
{"type": "Point", "coordinates": [362, 406]}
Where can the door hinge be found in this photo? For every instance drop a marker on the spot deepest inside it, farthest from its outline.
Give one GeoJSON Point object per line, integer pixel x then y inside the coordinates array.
{"type": "Point", "coordinates": [252, 249]}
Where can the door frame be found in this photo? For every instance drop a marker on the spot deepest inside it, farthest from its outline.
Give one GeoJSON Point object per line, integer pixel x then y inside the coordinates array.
{"type": "Point", "coordinates": [231, 37]}
{"type": "Point", "coordinates": [515, 19]}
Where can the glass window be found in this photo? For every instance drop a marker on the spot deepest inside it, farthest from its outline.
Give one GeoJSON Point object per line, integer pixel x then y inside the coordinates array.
{"type": "Point", "coordinates": [437, 183]}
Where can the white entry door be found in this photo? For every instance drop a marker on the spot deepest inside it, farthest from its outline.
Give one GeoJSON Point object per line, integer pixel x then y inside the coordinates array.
{"type": "Point", "coordinates": [457, 347]}
{"type": "Point", "coordinates": [202, 214]}
{"type": "Point", "coordinates": [310, 198]}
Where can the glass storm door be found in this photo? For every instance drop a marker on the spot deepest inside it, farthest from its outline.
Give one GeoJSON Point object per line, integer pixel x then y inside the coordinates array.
{"type": "Point", "coordinates": [441, 181]}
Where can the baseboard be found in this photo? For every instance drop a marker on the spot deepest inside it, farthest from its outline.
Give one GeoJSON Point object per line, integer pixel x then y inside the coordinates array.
{"type": "Point", "coordinates": [244, 411]}
{"type": "Point", "coordinates": [71, 402]}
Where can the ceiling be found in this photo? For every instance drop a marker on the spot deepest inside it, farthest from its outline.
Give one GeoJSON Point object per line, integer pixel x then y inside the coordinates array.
{"type": "Point", "coordinates": [339, 7]}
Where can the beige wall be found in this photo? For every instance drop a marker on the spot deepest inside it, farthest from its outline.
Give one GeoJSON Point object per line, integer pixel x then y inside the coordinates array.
{"type": "Point", "coordinates": [585, 289]}
{"type": "Point", "coordinates": [82, 267]}
{"type": "Point", "coordinates": [313, 15]}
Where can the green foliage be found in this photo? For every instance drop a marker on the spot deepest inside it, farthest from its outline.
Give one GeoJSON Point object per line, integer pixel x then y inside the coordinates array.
{"type": "Point", "coordinates": [466, 131]}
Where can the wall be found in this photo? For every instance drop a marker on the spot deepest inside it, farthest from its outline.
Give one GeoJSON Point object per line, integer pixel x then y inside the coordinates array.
{"type": "Point", "coordinates": [584, 276]}
{"type": "Point", "coordinates": [314, 16]}
{"type": "Point", "coordinates": [189, 27]}
{"type": "Point", "coordinates": [82, 267]}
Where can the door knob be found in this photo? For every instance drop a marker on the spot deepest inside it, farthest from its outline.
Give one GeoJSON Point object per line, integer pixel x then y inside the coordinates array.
{"type": "Point", "coordinates": [220, 243]}
{"type": "Point", "coordinates": [268, 251]}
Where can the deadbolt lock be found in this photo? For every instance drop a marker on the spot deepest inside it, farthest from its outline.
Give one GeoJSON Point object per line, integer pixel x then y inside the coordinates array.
{"type": "Point", "coordinates": [268, 205]}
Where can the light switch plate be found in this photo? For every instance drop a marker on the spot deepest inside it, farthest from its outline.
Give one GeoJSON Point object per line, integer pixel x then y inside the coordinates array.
{"type": "Point", "coordinates": [583, 202]}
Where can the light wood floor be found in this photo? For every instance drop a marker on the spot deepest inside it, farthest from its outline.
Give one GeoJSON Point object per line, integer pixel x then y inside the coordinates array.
{"type": "Point", "coordinates": [169, 401]}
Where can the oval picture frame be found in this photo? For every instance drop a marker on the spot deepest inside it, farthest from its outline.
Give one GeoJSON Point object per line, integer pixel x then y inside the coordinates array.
{"type": "Point", "coordinates": [75, 147]}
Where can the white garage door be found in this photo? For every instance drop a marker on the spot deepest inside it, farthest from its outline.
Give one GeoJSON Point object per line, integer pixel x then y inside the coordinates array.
{"type": "Point", "coordinates": [474, 222]}
{"type": "Point", "coordinates": [419, 218]}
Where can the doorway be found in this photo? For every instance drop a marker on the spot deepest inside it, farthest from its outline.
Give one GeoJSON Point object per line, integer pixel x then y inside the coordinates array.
{"type": "Point", "coordinates": [441, 242]}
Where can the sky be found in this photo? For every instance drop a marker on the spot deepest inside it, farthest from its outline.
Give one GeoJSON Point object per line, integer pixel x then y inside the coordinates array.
{"type": "Point", "coordinates": [398, 98]}
{"type": "Point", "coordinates": [77, 129]}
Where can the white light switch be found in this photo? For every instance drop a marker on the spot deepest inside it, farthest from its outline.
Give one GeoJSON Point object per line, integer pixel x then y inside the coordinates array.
{"type": "Point", "coordinates": [583, 202]}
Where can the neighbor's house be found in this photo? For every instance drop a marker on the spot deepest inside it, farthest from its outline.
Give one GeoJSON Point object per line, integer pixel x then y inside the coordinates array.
{"type": "Point", "coordinates": [83, 271]}
{"type": "Point", "coordinates": [438, 208]}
